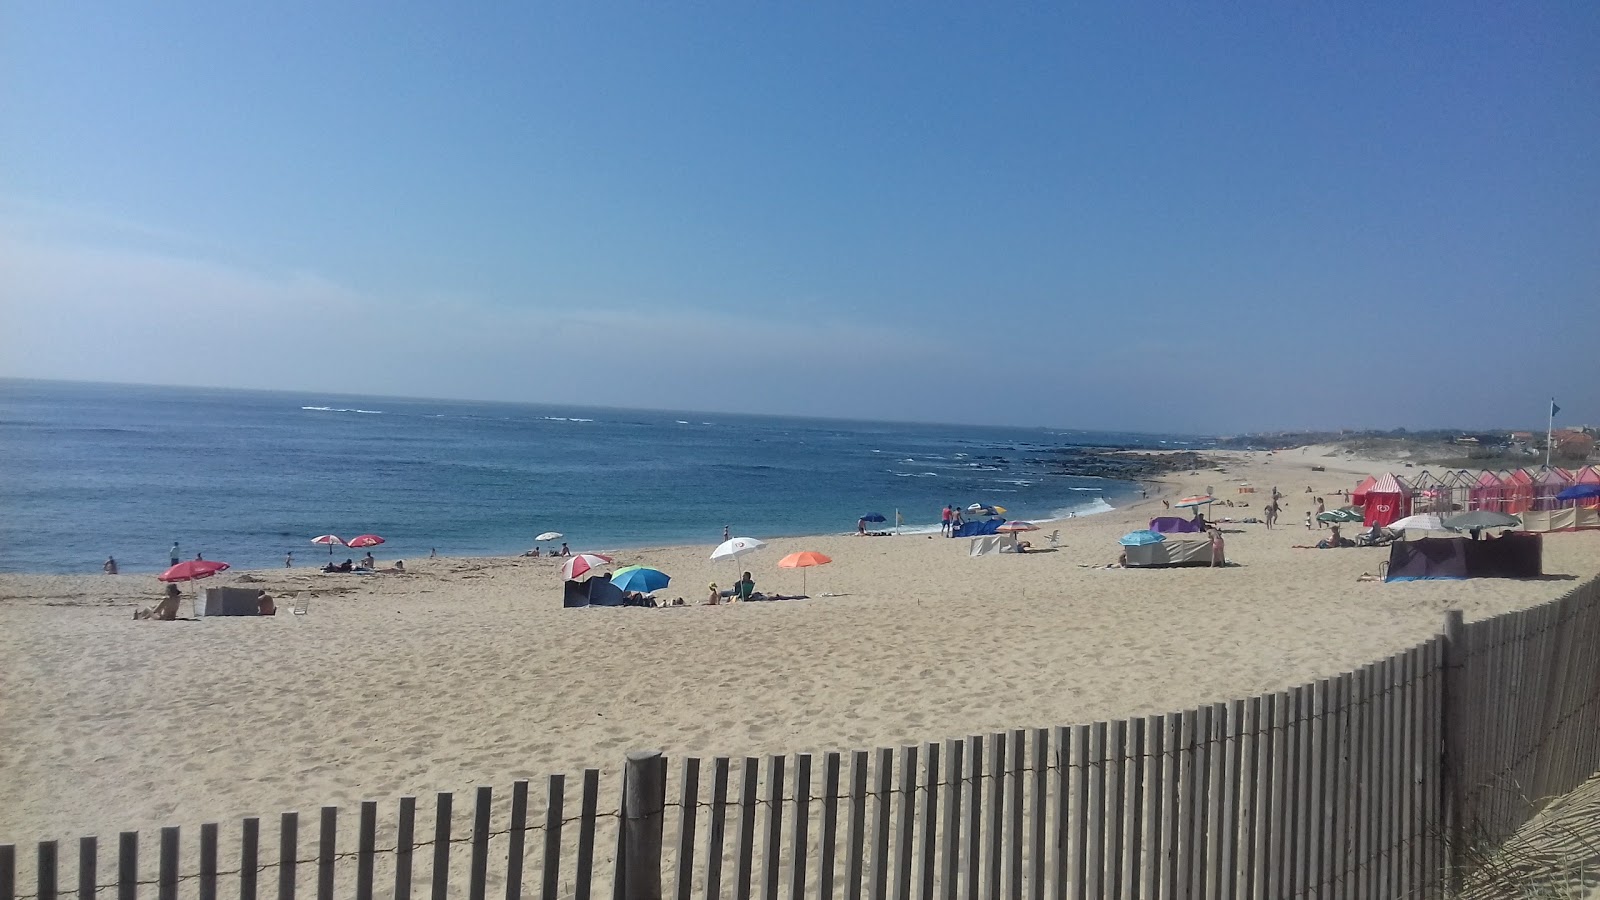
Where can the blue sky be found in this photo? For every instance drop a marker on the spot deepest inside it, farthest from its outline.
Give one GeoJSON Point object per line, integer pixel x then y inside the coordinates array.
{"type": "Point", "coordinates": [1178, 217]}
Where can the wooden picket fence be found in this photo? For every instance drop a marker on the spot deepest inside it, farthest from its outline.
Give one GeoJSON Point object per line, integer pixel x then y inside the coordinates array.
{"type": "Point", "coordinates": [1371, 784]}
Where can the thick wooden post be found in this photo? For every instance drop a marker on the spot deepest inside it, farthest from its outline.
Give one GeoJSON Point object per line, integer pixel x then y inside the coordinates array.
{"type": "Point", "coordinates": [644, 797]}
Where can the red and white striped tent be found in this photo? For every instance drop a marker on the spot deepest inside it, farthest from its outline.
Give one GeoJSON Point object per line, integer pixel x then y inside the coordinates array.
{"type": "Point", "coordinates": [1388, 499]}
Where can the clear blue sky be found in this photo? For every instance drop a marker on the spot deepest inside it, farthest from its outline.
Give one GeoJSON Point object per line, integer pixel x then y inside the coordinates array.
{"type": "Point", "coordinates": [1198, 217]}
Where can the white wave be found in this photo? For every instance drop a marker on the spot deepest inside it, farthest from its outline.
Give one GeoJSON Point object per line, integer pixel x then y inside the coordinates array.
{"type": "Point", "coordinates": [370, 412]}
{"type": "Point", "coordinates": [1097, 490]}
{"type": "Point", "coordinates": [1093, 507]}
{"type": "Point", "coordinates": [683, 421]}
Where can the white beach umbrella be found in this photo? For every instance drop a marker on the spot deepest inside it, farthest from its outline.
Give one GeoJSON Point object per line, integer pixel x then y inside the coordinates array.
{"type": "Point", "coordinates": [1423, 522]}
{"type": "Point", "coordinates": [737, 547]}
{"type": "Point", "coordinates": [549, 536]}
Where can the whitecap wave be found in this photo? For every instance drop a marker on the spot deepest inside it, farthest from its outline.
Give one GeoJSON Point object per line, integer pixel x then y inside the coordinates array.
{"type": "Point", "coordinates": [370, 412]}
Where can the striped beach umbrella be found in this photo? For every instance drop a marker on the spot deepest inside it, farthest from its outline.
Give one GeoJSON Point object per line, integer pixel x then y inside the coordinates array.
{"type": "Point", "coordinates": [332, 540]}
{"type": "Point", "coordinates": [583, 565]}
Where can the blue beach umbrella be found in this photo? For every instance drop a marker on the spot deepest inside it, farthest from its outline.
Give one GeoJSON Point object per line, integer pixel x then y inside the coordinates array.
{"type": "Point", "coordinates": [873, 517]}
{"type": "Point", "coordinates": [640, 579]}
{"type": "Point", "coordinates": [1140, 538]}
{"type": "Point", "coordinates": [1579, 492]}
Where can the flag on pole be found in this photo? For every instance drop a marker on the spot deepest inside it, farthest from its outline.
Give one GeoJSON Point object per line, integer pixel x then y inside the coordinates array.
{"type": "Point", "coordinates": [1554, 408]}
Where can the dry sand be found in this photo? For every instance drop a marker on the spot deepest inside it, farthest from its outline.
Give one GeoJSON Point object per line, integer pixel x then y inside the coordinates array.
{"type": "Point", "coordinates": [469, 672]}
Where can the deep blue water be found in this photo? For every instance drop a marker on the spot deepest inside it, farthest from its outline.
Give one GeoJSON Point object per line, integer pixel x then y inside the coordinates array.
{"type": "Point", "coordinates": [91, 470]}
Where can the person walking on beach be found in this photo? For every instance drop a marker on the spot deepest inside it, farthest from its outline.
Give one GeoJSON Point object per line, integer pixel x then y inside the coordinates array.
{"type": "Point", "coordinates": [288, 560]}
{"type": "Point", "coordinates": [1321, 508]}
{"type": "Point", "coordinates": [1308, 520]}
{"type": "Point", "coordinates": [173, 554]}
{"type": "Point", "coordinates": [944, 521]}
{"type": "Point", "coordinates": [1218, 557]}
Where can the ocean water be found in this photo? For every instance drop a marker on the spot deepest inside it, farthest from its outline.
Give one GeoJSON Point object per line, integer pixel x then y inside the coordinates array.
{"type": "Point", "coordinates": [94, 470]}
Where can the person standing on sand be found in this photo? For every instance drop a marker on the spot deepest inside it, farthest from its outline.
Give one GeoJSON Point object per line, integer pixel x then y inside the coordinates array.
{"type": "Point", "coordinates": [944, 521]}
{"type": "Point", "coordinates": [1218, 557]}
{"type": "Point", "coordinates": [433, 552]}
{"type": "Point", "coordinates": [288, 560]}
{"type": "Point", "coordinates": [1321, 508]}
{"type": "Point", "coordinates": [726, 535]}
{"type": "Point", "coordinates": [110, 568]}
{"type": "Point", "coordinates": [1308, 520]}
{"type": "Point", "coordinates": [173, 554]}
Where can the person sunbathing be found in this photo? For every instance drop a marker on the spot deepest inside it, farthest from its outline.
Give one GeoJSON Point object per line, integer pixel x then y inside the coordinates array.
{"type": "Point", "coordinates": [264, 605]}
{"type": "Point", "coordinates": [166, 610]}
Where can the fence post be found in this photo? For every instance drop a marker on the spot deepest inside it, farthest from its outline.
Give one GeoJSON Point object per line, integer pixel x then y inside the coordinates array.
{"type": "Point", "coordinates": [644, 798]}
{"type": "Point", "coordinates": [1450, 746]}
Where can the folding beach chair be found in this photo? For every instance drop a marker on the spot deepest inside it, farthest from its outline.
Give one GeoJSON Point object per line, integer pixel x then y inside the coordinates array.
{"type": "Point", "coordinates": [1054, 538]}
{"type": "Point", "coordinates": [301, 604]}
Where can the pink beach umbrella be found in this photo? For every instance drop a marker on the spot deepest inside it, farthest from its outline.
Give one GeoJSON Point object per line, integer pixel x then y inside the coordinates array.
{"type": "Point", "coordinates": [332, 540]}
{"type": "Point", "coordinates": [584, 564]}
{"type": "Point", "coordinates": [365, 540]}
{"type": "Point", "coordinates": [193, 570]}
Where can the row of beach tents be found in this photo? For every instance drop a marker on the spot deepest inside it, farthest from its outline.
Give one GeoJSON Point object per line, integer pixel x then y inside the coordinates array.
{"type": "Point", "coordinates": [1388, 497]}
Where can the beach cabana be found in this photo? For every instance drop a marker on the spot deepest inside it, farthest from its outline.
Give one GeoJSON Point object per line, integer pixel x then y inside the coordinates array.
{"type": "Point", "coordinates": [1488, 492]}
{"type": "Point", "coordinates": [1549, 483]}
{"type": "Point", "coordinates": [1518, 491]}
{"type": "Point", "coordinates": [1590, 475]}
{"type": "Point", "coordinates": [1460, 483]}
{"type": "Point", "coordinates": [1358, 497]}
{"type": "Point", "coordinates": [1387, 499]}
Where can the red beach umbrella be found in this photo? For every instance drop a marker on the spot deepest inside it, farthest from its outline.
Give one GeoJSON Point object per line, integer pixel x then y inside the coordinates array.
{"type": "Point", "coordinates": [332, 540]}
{"type": "Point", "coordinates": [193, 570]}
{"type": "Point", "coordinates": [584, 564]}
{"type": "Point", "coordinates": [364, 540]}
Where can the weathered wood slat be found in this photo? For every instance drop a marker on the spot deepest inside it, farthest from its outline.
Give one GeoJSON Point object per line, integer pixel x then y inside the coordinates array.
{"type": "Point", "coordinates": [928, 843]}
{"type": "Point", "coordinates": [208, 861]}
{"type": "Point", "coordinates": [45, 870]}
{"type": "Point", "coordinates": [1154, 751]}
{"type": "Point", "coordinates": [405, 840]}
{"type": "Point", "coordinates": [128, 865]}
{"type": "Point", "coordinates": [745, 850]}
{"type": "Point", "coordinates": [288, 849]}
{"type": "Point", "coordinates": [366, 848]}
{"type": "Point", "coordinates": [688, 807]}
{"type": "Point", "coordinates": [950, 872]}
{"type": "Point", "coordinates": [1014, 834]}
{"type": "Point", "coordinates": [1095, 813]}
{"type": "Point", "coordinates": [974, 829]}
{"type": "Point", "coordinates": [994, 816]}
{"type": "Point", "coordinates": [1039, 788]}
{"type": "Point", "coordinates": [88, 863]}
{"type": "Point", "coordinates": [829, 838]}
{"type": "Point", "coordinates": [884, 784]}
{"type": "Point", "coordinates": [1113, 820]}
{"type": "Point", "coordinates": [249, 857]}
{"type": "Point", "coordinates": [327, 847]}
{"type": "Point", "coordinates": [855, 844]}
{"type": "Point", "coordinates": [550, 865]}
{"type": "Point", "coordinates": [905, 823]}
{"type": "Point", "coordinates": [441, 845]}
{"type": "Point", "coordinates": [584, 873]}
{"type": "Point", "coordinates": [800, 828]}
{"type": "Point", "coordinates": [166, 875]}
{"type": "Point", "coordinates": [1133, 808]}
{"type": "Point", "coordinates": [772, 854]}
{"type": "Point", "coordinates": [719, 824]}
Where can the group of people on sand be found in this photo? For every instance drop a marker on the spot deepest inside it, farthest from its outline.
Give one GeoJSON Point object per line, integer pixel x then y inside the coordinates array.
{"type": "Point", "coordinates": [743, 591]}
{"type": "Point", "coordinates": [538, 552]}
{"type": "Point", "coordinates": [167, 609]}
{"type": "Point", "coordinates": [365, 566]}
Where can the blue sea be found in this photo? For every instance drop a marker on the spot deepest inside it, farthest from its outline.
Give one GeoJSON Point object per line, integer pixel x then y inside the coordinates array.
{"type": "Point", "coordinates": [95, 470]}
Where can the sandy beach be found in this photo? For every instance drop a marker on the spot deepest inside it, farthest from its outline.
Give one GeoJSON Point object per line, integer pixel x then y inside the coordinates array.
{"type": "Point", "coordinates": [468, 671]}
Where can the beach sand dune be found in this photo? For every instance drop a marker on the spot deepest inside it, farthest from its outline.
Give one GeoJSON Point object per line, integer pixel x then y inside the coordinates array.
{"type": "Point", "coordinates": [468, 672]}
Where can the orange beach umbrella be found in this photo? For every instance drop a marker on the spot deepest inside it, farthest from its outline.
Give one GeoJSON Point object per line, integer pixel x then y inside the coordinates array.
{"type": "Point", "coordinates": [803, 560]}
